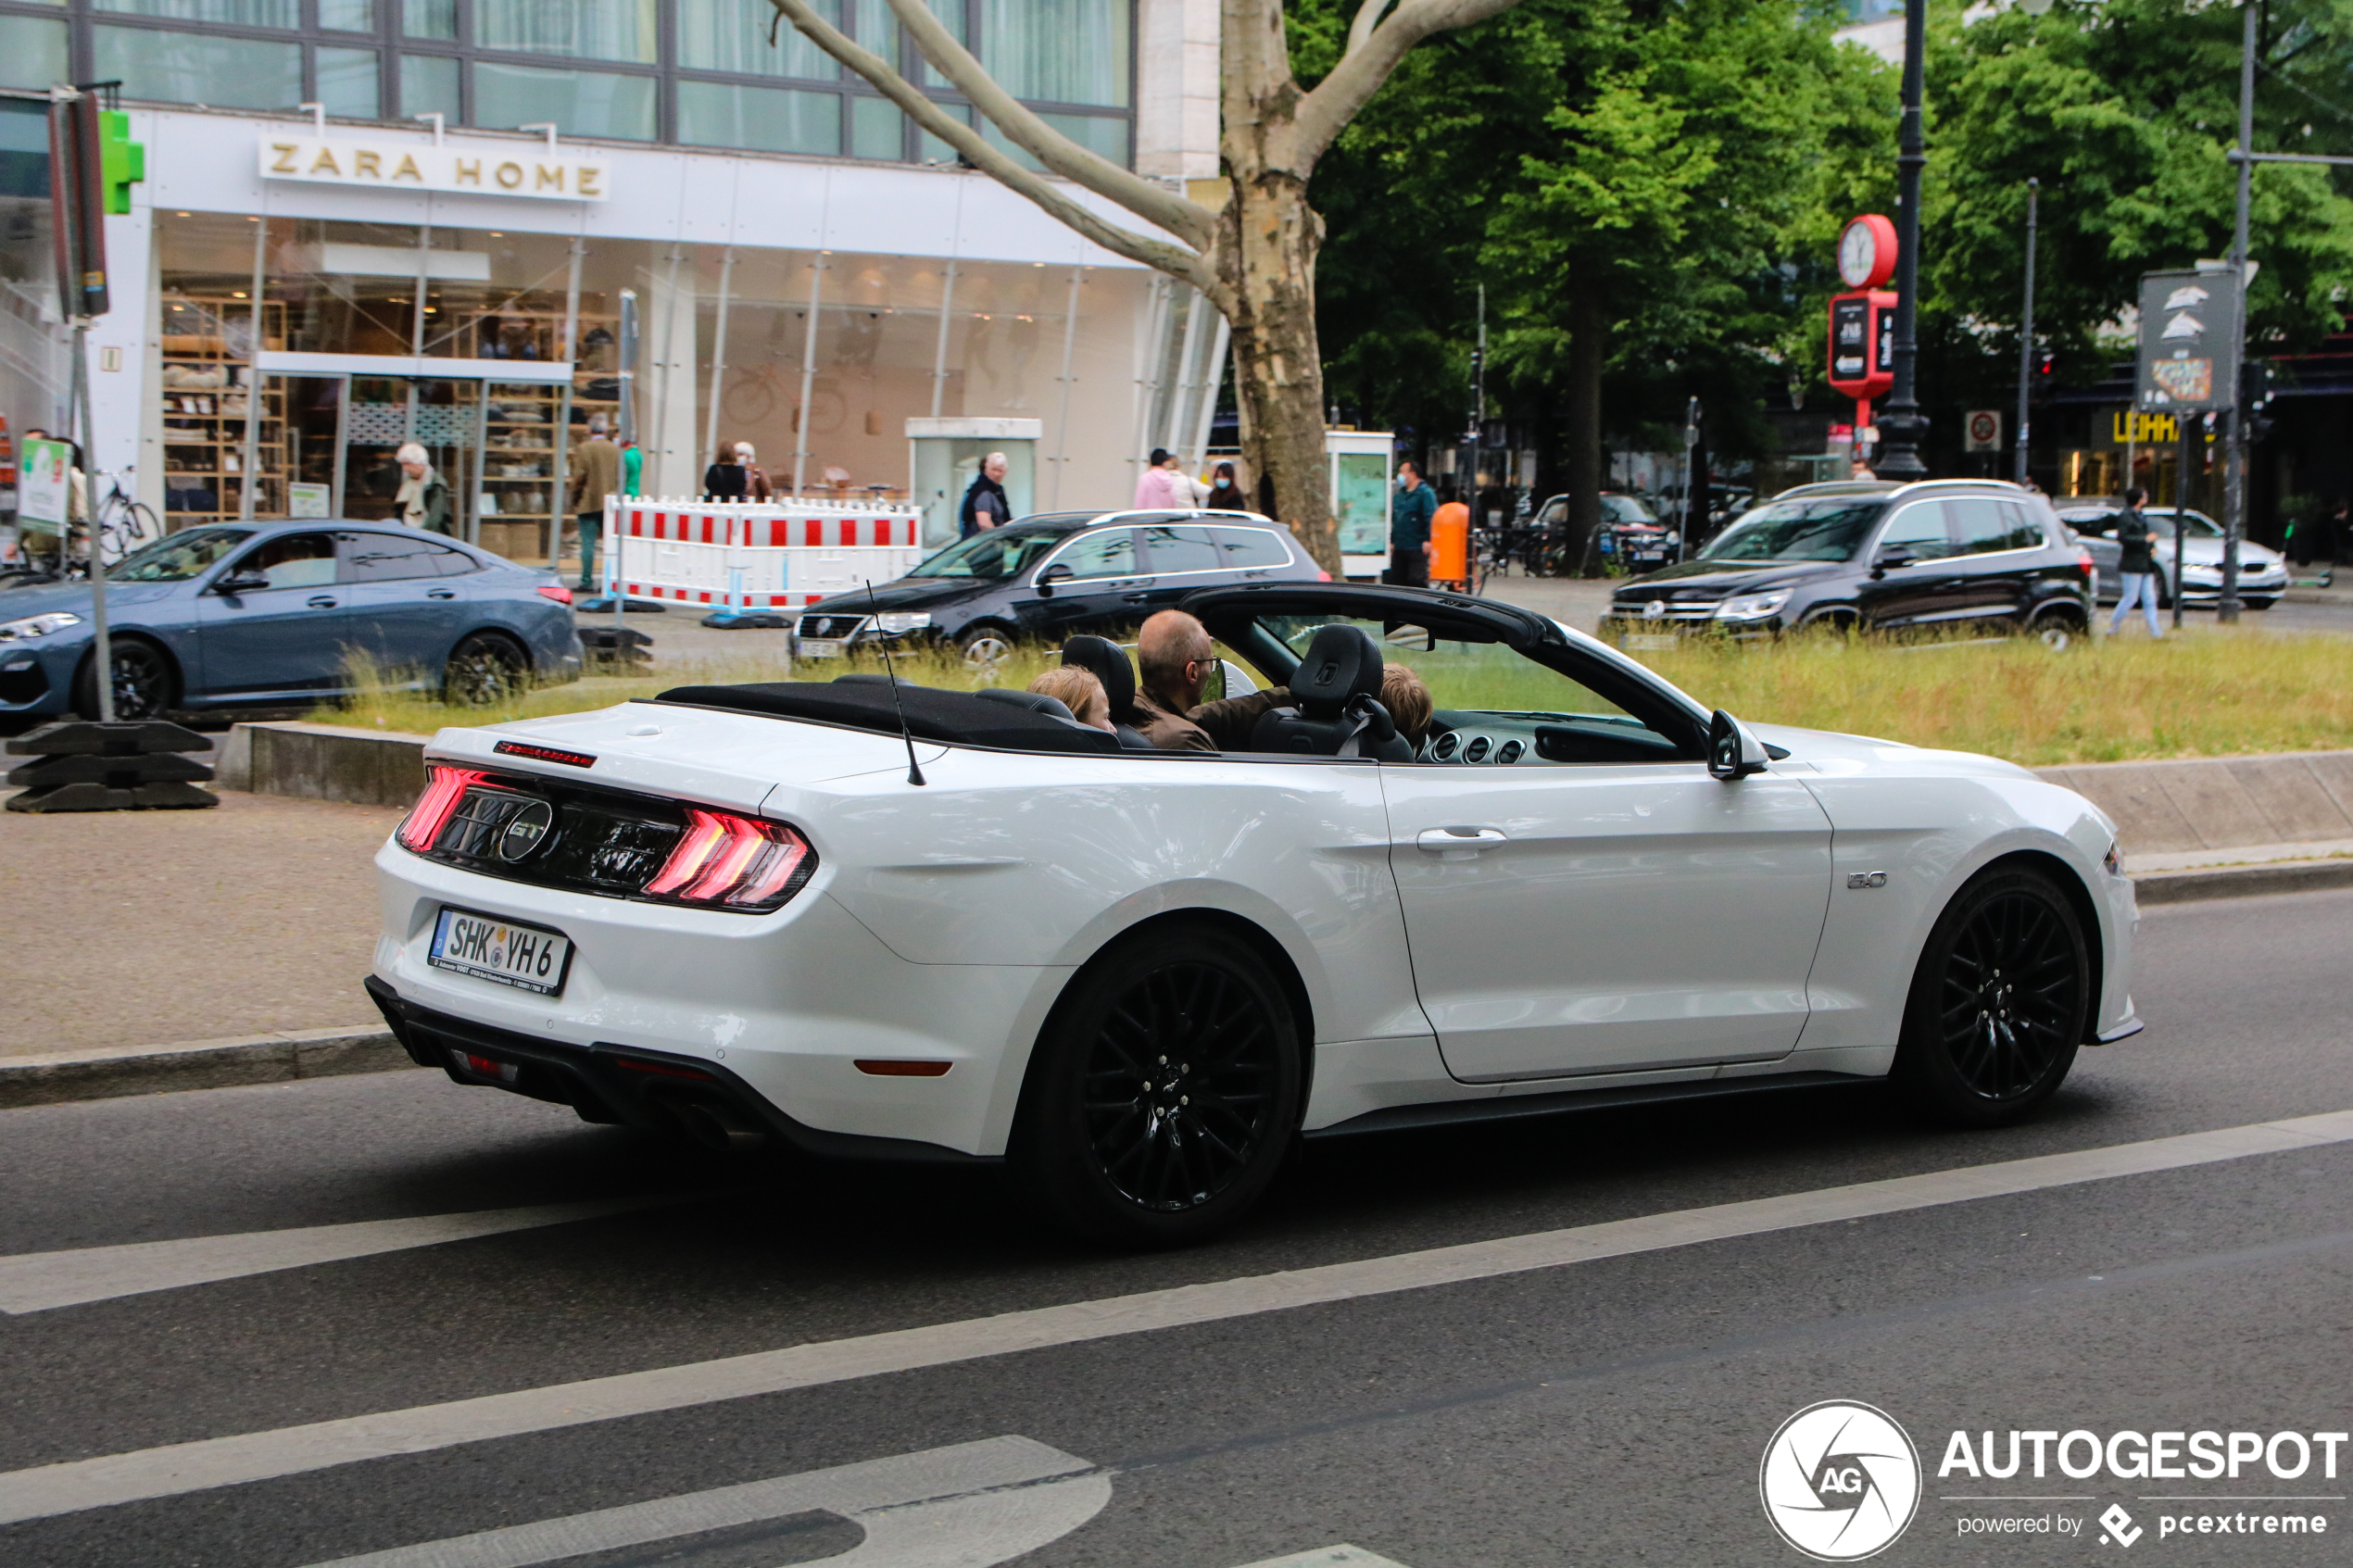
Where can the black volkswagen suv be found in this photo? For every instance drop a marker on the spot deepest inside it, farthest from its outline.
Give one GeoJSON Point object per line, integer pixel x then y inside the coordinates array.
{"type": "Point", "coordinates": [1049, 576]}
{"type": "Point", "coordinates": [1869, 556]}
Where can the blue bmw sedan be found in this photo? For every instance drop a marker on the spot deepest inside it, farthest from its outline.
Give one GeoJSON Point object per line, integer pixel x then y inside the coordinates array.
{"type": "Point", "coordinates": [273, 614]}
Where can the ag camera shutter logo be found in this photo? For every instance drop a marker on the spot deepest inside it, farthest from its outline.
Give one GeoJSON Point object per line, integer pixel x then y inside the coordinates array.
{"type": "Point", "coordinates": [1840, 1481]}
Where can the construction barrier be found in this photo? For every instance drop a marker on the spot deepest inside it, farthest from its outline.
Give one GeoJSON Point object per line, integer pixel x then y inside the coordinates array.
{"type": "Point", "coordinates": [755, 555]}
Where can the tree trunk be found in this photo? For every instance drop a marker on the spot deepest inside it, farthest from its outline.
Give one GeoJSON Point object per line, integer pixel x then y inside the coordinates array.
{"type": "Point", "coordinates": [1588, 329]}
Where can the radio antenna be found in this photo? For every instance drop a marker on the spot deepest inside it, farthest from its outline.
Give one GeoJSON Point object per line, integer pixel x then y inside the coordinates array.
{"type": "Point", "coordinates": [890, 674]}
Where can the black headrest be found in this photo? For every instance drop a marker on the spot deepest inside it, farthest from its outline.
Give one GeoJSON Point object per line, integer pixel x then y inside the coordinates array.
{"type": "Point", "coordinates": [1341, 662]}
{"type": "Point", "coordinates": [1036, 702]}
{"type": "Point", "coordinates": [1107, 662]}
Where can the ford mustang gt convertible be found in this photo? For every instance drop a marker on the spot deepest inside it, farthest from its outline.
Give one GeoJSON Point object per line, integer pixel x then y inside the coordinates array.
{"type": "Point", "coordinates": [871, 918]}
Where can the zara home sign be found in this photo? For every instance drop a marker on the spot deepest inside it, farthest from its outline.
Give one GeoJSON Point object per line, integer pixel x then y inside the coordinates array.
{"type": "Point", "coordinates": [498, 170]}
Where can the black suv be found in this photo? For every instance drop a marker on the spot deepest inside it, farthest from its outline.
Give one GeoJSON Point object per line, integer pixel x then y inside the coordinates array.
{"type": "Point", "coordinates": [1050, 576]}
{"type": "Point", "coordinates": [1867, 555]}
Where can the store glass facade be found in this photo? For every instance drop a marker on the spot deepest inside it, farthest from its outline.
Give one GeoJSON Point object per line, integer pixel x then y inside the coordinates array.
{"type": "Point", "coordinates": [688, 72]}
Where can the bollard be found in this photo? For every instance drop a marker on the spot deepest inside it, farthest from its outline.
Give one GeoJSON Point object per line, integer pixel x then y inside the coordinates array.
{"type": "Point", "coordinates": [127, 766]}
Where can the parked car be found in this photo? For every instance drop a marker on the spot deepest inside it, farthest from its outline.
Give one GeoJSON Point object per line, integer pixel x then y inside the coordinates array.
{"type": "Point", "coordinates": [1139, 977]}
{"type": "Point", "coordinates": [2262, 570]}
{"type": "Point", "coordinates": [1053, 574]}
{"type": "Point", "coordinates": [1873, 556]}
{"type": "Point", "coordinates": [272, 614]}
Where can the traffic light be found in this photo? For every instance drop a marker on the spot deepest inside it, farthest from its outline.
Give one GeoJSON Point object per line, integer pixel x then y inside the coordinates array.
{"type": "Point", "coordinates": [122, 162]}
{"type": "Point", "coordinates": [2258, 383]}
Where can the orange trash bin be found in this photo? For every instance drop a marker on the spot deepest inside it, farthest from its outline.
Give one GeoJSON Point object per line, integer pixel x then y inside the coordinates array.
{"type": "Point", "coordinates": [1449, 541]}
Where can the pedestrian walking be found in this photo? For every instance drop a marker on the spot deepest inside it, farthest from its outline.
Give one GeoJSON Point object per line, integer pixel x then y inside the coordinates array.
{"type": "Point", "coordinates": [1410, 514]}
{"type": "Point", "coordinates": [725, 480]}
{"type": "Point", "coordinates": [1225, 495]}
{"type": "Point", "coordinates": [632, 469]}
{"type": "Point", "coordinates": [423, 500]}
{"type": "Point", "coordinates": [2135, 567]}
{"type": "Point", "coordinates": [596, 473]}
{"type": "Point", "coordinates": [985, 505]}
{"type": "Point", "coordinates": [755, 485]}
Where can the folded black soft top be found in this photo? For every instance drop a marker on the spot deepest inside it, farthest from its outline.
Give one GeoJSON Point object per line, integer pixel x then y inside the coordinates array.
{"type": "Point", "coordinates": [957, 718]}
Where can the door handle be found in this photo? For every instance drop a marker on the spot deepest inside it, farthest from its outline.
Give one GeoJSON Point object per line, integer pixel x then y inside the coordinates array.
{"type": "Point", "coordinates": [323, 601]}
{"type": "Point", "coordinates": [1458, 844]}
{"type": "Point", "coordinates": [441, 593]}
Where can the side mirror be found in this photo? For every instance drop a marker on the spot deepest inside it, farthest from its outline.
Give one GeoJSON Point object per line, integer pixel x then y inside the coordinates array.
{"type": "Point", "coordinates": [1890, 558]}
{"type": "Point", "coordinates": [242, 583]}
{"type": "Point", "coordinates": [1055, 574]}
{"type": "Point", "coordinates": [1732, 752]}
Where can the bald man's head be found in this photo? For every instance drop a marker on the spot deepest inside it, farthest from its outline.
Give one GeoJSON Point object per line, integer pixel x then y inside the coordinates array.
{"type": "Point", "coordinates": [1172, 655]}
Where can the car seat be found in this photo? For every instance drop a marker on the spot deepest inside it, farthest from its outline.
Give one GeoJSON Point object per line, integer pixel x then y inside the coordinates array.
{"type": "Point", "coordinates": [1036, 702]}
{"type": "Point", "coordinates": [1107, 662]}
{"type": "Point", "coordinates": [1335, 712]}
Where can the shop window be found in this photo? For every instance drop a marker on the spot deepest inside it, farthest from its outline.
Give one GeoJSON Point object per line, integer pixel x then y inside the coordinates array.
{"type": "Point", "coordinates": [234, 13]}
{"type": "Point", "coordinates": [193, 68]}
{"type": "Point", "coordinates": [428, 85]}
{"type": "Point", "coordinates": [581, 103]}
{"type": "Point", "coordinates": [714, 114]}
{"type": "Point", "coordinates": [1099, 134]}
{"type": "Point", "coordinates": [1057, 51]}
{"type": "Point", "coordinates": [580, 29]}
{"type": "Point", "coordinates": [32, 53]}
{"type": "Point", "coordinates": [729, 35]}
{"type": "Point", "coordinates": [348, 85]}
{"type": "Point", "coordinates": [348, 16]}
{"type": "Point", "coordinates": [877, 129]}
{"type": "Point", "coordinates": [429, 18]}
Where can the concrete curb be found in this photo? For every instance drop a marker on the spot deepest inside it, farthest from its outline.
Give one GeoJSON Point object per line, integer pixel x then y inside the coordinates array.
{"type": "Point", "coordinates": [324, 762]}
{"type": "Point", "coordinates": [2242, 882]}
{"type": "Point", "coordinates": [198, 1064]}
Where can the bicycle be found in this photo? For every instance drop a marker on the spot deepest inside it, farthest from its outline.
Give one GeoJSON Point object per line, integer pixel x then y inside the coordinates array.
{"type": "Point", "coordinates": [124, 524]}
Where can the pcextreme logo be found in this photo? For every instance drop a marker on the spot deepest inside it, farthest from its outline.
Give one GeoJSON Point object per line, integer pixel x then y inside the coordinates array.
{"type": "Point", "coordinates": [1840, 1481]}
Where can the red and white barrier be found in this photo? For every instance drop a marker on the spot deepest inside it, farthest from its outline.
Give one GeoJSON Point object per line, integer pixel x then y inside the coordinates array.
{"type": "Point", "coordinates": [755, 555]}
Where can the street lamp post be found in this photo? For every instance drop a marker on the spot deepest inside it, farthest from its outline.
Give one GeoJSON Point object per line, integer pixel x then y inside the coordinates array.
{"type": "Point", "coordinates": [2235, 450]}
{"type": "Point", "coordinates": [1902, 427]}
{"type": "Point", "coordinates": [2026, 332]}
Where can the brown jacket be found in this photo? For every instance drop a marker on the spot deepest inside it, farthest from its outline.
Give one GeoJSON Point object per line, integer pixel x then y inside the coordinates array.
{"type": "Point", "coordinates": [1166, 728]}
{"type": "Point", "coordinates": [595, 473]}
{"type": "Point", "coordinates": [1229, 721]}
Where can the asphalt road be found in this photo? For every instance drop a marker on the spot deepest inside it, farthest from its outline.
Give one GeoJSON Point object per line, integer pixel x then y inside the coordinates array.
{"type": "Point", "coordinates": [1613, 1411]}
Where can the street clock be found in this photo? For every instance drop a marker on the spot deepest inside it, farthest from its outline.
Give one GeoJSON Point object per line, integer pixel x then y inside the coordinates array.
{"type": "Point", "coordinates": [1867, 252]}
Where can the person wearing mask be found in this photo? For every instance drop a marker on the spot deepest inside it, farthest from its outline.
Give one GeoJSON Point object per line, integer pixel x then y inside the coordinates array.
{"type": "Point", "coordinates": [1225, 495]}
{"type": "Point", "coordinates": [2135, 565]}
{"type": "Point", "coordinates": [1077, 690]}
{"type": "Point", "coordinates": [1172, 656]}
{"type": "Point", "coordinates": [985, 505]}
{"type": "Point", "coordinates": [423, 500]}
{"type": "Point", "coordinates": [725, 480]}
{"type": "Point", "coordinates": [596, 473]}
{"type": "Point", "coordinates": [1410, 513]}
{"type": "Point", "coordinates": [755, 485]}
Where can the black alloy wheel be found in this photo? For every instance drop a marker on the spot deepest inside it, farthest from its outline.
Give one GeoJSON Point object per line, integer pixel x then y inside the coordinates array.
{"type": "Point", "coordinates": [1163, 1093]}
{"type": "Point", "coordinates": [484, 669]}
{"type": "Point", "coordinates": [2057, 630]}
{"type": "Point", "coordinates": [144, 683]}
{"type": "Point", "coordinates": [1999, 1002]}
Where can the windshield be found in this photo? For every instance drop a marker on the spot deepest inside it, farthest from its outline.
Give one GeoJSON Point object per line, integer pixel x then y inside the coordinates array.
{"type": "Point", "coordinates": [1625, 508]}
{"type": "Point", "coordinates": [1820, 528]}
{"type": "Point", "coordinates": [178, 557]}
{"type": "Point", "coordinates": [992, 554]}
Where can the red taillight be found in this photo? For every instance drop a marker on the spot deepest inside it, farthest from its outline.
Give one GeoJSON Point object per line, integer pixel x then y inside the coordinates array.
{"type": "Point", "coordinates": [2084, 558]}
{"type": "Point", "coordinates": [555, 591]}
{"type": "Point", "coordinates": [430, 813]}
{"type": "Point", "coordinates": [725, 858]}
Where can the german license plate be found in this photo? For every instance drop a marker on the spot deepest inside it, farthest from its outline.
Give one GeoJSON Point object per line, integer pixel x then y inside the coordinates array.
{"type": "Point", "coordinates": [529, 958]}
{"type": "Point", "coordinates": [1650, 642]}
{"type": "Point", "coordinates": [820, 648]}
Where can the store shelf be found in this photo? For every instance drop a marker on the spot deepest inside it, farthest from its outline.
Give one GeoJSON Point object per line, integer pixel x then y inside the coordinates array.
{"type": "Point", "coordinates": [206, 396]}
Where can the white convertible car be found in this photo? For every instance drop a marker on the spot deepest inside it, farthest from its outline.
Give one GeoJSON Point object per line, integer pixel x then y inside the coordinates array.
{"type": "Point", "coordinates": [895, 922]}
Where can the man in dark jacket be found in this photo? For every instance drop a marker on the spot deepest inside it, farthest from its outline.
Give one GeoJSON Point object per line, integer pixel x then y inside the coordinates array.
{"type": "Point", "coordinates": [1409, 513]}
{"type": "Point", "coordinates": [985, 504]}
{"type": "Point", "coordinates": [2136, 566]}
{"type": "Point", "coordinates": [1173, 657]}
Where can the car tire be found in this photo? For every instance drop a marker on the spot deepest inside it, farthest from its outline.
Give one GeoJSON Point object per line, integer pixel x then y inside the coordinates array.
{"type": "Point", "coordinates": [145, 683]}
{"type": "Point", "coordinates": [2059, 629]}
{"type": "Point", "coordinates": [1831, 625]}
{"type": "Point", "coordinates": [484, 668]}
{"type": "Point", "coordinates": [1165, 1092]}
{"type": "Point", "coordinates": [985, 648]}
{"type": "Point", "coordinates": [1998, 1004]}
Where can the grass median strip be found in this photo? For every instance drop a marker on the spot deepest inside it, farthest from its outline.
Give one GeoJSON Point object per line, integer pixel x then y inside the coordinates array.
{"type": "Point", "coordinates": [114, 1479]}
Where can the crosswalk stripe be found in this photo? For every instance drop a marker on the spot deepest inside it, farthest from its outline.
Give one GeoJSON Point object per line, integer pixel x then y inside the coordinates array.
{"type": "Point", "coordinates": [113, 1479]}
{"type": "Point", "coordinates": [39, 1282]}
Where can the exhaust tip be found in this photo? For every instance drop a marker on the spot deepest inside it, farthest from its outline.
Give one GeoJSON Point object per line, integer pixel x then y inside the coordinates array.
{"type": "Point", "coordinates": [718, 1127]}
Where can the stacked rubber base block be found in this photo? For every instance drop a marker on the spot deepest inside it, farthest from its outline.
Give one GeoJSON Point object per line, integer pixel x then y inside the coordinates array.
{"type": "Point", "coordinates": [126, 767]}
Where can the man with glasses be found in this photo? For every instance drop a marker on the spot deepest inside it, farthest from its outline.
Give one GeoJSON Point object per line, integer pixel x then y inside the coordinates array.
{"type": "Point", "coordinates": [1175, 657]}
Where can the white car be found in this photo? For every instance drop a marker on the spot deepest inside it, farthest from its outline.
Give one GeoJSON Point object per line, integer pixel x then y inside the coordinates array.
{"type": "Point", "coordinates": [771, 912]}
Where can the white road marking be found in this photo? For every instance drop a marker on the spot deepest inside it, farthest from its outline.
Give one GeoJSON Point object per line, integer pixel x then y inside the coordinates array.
{"type": "Point", "coordinates": [1341, 1556]}
{"type": "Point", "coordinates": [967, 1506]}
{"type": "Point", "coordinates": [112, 1479]}
{"type": "Point", "coordinates": [36, 1282]}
